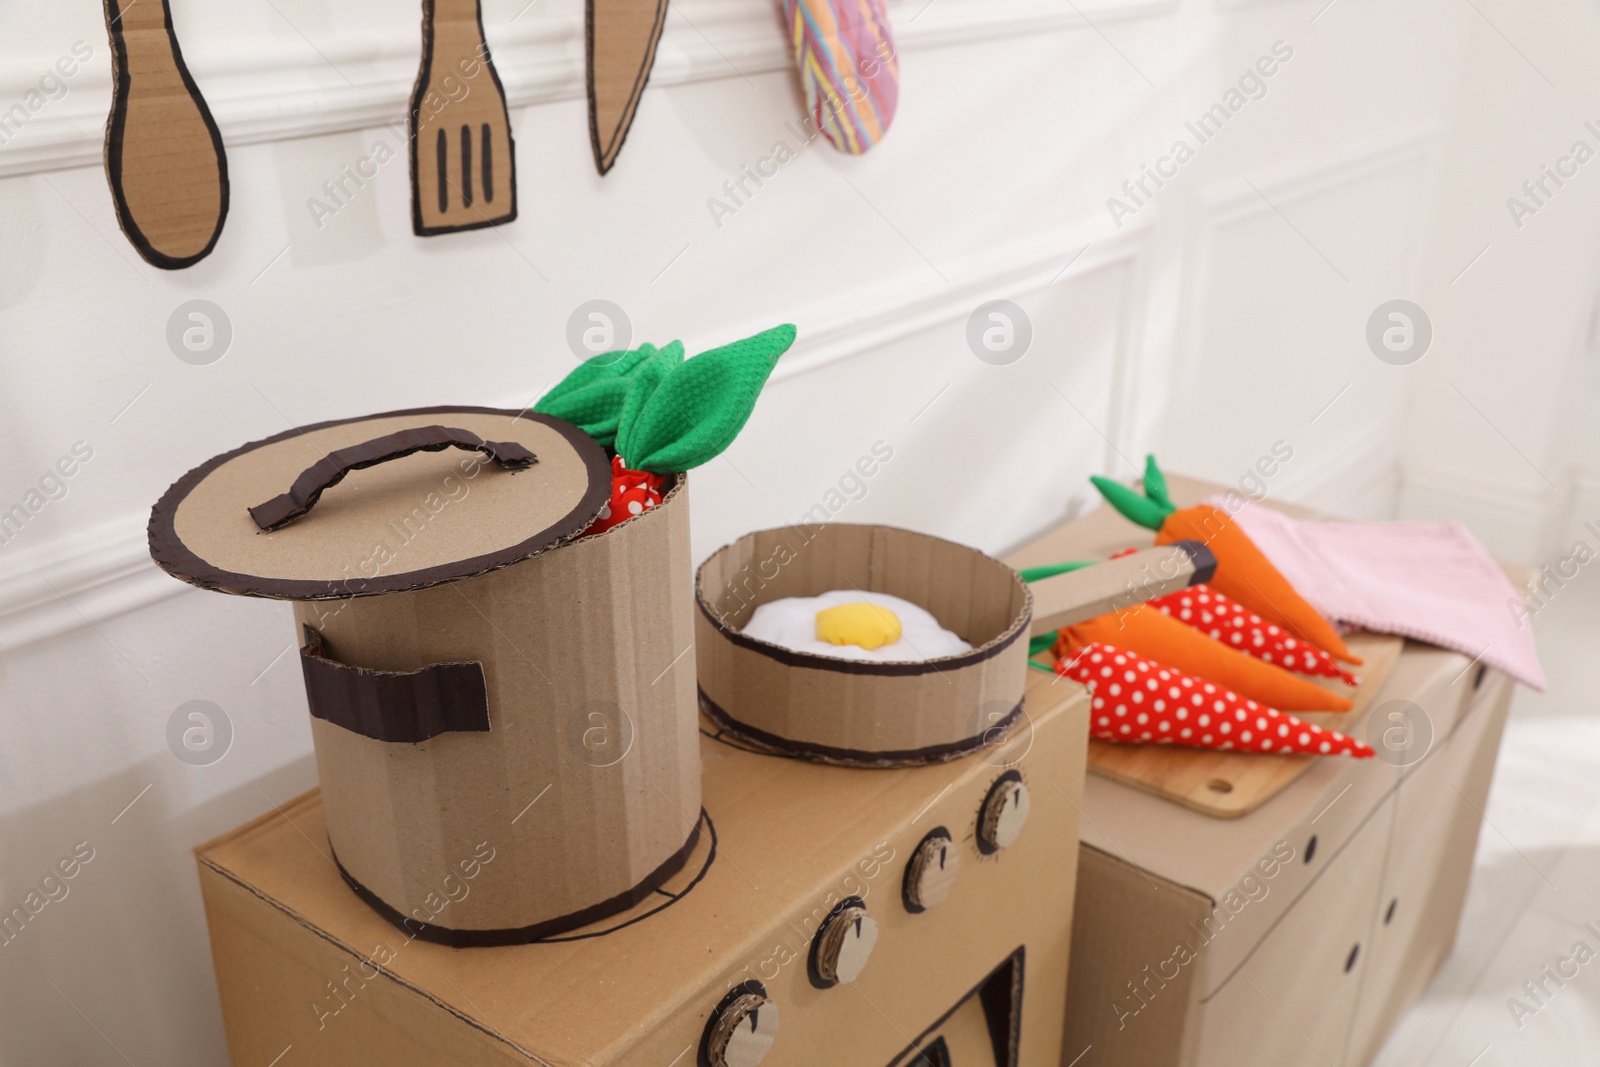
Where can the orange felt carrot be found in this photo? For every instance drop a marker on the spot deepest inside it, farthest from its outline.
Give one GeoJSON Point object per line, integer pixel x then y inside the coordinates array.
{"type": "Point", "coordinates": [1243, 575]}
{"type": "Point", "coordinates": [1144, 630]}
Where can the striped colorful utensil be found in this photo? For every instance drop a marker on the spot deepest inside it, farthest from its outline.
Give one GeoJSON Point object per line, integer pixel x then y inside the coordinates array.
{"type": "Point", "coordinates": [848, 67]}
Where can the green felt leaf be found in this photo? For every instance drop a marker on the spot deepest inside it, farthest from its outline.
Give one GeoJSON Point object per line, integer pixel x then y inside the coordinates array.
{"type": "Point", "coordinates": [1042, 643]}
{"type": "Point", "coordinates": [1050, 570]}
{"type": "Point", "coordinates": [647, 378]}
{"type": "Point", "coordinates": [1133, 507]}
{"type": "Point", "coordinates": [696, 410]}
{"type": "Point", "coordinates": [1155, 484]}
{"type": "Point", "coordinates": [592, 396]}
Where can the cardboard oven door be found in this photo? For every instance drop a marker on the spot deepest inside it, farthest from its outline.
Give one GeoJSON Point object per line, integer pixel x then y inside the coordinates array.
{"type": "Point", "coordinates": [1292, 1001]}
{"type": "Point", "coordinates": [983, 1030]}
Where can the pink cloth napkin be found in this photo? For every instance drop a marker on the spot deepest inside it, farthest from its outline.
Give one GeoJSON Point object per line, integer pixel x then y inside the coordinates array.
{"type": "Point", "coordinates": [1432, 581]}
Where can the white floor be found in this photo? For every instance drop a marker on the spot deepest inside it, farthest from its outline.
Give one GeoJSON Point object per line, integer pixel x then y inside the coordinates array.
{"type": "Point", "coordinates": [1536, 880]}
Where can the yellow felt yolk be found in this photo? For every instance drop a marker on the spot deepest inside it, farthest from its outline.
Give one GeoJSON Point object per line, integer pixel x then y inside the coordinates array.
{"type": "Point", "coordinates": [867, 625]}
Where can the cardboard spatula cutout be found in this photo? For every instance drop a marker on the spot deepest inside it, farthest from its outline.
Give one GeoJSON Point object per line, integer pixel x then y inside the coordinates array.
{"type": "Point", "coordinates": [463, 164]}
{"type": "Point", "coordinates": [164, 157]}
{"type": "Point", "coordinates": [621, 38]}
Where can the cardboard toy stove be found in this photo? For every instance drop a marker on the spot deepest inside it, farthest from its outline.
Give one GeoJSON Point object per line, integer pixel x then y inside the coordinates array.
{"type": "Point", "coordinates": [909, 917]}
{"type": "Point", "coordinates": [637, 926]}
{"type": "Point", "coordinates": [458, 647]}
{"type": "Point", "coordinates": [1296, 933]}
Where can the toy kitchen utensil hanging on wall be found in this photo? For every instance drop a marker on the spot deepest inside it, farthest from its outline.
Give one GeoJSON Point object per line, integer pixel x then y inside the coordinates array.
{"type": "Point", "coordinates": [163, 155]}
{"type": "Point", "coordinates": [621, 38]}
{"type": "Point", "coordinates": [463, 163]}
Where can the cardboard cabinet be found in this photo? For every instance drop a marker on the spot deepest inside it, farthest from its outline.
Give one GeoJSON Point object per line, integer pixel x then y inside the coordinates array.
{"type": "Point", "coordinates": [1437, 814]}
{"type": "Point", "coordinates": [1292, 1000]}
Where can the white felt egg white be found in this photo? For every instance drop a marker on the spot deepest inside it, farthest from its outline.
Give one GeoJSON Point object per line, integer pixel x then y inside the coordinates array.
{"type": "Point", "coordinates": [792, 623]}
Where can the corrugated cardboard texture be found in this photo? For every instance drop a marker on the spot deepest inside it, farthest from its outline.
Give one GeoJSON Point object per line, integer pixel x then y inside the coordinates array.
{"type": "Point", "coordinates": [848, 705]}
{"type": "Point", "coordinates": [1116, 584]}
{"type": "Point", "coordinates": [1124, 915]}
{"type": "Point", "coordinates": [463, 163]}
{"type": "Point", "coordinates": [164, 155]}
{"type": "Point", "coordinates": [588, 637]}
{"type": "Point", "coordinates": [622, 38]}
{"type": "Point", "coordinates": [413, 521]}
{"type": "Point", "coordinates": [301, 962]}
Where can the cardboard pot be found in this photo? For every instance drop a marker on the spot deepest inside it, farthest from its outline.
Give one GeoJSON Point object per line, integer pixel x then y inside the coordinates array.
{"type": "Point", "coordinates": [886, 713]}
{"type": "Point", "coordinates": [505, 730]}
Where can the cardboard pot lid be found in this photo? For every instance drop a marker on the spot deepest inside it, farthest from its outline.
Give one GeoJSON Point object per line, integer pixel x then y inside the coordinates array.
{"type": "Point", "coordinates": [419, 519]}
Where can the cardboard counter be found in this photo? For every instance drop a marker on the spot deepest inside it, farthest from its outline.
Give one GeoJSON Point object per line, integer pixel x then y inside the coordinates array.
{"type": "Point", "coordinates": [968, 967]}
{"type": "Point", "coordinates": [1300, 932]}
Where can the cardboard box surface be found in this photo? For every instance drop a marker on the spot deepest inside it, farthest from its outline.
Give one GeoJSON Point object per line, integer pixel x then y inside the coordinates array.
{"type": "Point", "coordinates": [301, 962]}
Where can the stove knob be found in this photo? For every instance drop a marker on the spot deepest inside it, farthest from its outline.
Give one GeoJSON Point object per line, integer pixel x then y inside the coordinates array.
{"type": "Point", "coordinates": [843, 944]}
{"type": "Point", "coordinates": [931, 871]}
{"type": "Point", "coordinates": [1004, 811]}
{"type": "Point", "coordinates": [741, 1029]}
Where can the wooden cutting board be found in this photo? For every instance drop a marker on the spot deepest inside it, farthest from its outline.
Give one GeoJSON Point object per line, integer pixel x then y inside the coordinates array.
{"type": "Point", "coordinates": [1230, 784]}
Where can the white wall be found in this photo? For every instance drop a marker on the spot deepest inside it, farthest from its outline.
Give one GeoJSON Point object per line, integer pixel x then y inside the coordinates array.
{"type": "Point", "coordinates": [1224, 315]}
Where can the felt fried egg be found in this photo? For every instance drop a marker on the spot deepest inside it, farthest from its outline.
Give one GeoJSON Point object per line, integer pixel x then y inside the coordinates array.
{"type": "Point", "coordinates": [846, 624]}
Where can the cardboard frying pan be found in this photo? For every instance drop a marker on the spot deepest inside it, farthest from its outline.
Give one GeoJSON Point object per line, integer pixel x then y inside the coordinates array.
{"type": "Point", "coordinates": [621, 38]}
{"type": "Point", "coordinates": [164, 157]}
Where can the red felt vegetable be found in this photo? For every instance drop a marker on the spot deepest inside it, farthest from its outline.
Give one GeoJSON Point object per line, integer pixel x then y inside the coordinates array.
{"type": "Point", "coordinates": [631, 493]}
{"type": "Point", "coordinates": [1236, 626]}
{"type": "Point", "coordinates": [1136, 699]}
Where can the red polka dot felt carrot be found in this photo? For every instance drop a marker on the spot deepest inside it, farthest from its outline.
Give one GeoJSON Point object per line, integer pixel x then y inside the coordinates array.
{"type": "Point", "coordinates": [1144, 631]}
{"type": "Point", "coordinates": [1243, 571]}
{"type": "Point", "coordinates": [631, 493]}
{"type": "Point", "coordinates": [1138, 700]}
{"type": "Point", "coordinates": [1239, 628]}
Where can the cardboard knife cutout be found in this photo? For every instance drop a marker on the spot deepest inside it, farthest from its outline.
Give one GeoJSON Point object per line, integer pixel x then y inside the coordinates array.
{"type": "Point", "coordinates": [164, 158]}
{"type": "Point", "coordinates": [621, 38]}
{"type": "Point", "coordinates": [463, 164]}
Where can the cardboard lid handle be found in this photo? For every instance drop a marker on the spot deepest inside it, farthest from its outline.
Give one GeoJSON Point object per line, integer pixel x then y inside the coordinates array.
{"type": "Point", "coordinates": [1119, 583]}
{"type": "Point", "coordinates": [331, 469]}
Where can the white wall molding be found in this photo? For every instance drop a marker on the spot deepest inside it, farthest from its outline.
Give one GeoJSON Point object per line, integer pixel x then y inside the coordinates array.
{"type": "Point", "coordinates": [1339, 477]}
{"type": "Point", "coordinates": [1515, 521]}
{"type": "Point", "coordinates": [306, 85]}
{"type": "Point", "coordinates": [80, 579]}
{"type": "Point", "coordinates": [88, 578]}
{"type": "Point", "coordinates": [1234, 200]}
{"type": "Point", "coordinates": [838, 330]}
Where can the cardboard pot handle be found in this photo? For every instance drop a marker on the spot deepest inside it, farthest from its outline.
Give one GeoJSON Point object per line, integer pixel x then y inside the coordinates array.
{"type": "Point", "coordinates": [1078, 595]}
{"type": "Point", "coordinates": [407, 707]}
{"type": "Point", "coordinates": [331, 469]}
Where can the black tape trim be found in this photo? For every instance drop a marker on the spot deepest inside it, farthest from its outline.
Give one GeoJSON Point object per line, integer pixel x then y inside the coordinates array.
{"type": "Point", "coordinates": [1204, 560]}
{"type": "Point", "coordinates": [534, 932]}
{"type": "Point", "coordinates": [394, 706]}
{"type": "Point", "coordinates": [856, 757]}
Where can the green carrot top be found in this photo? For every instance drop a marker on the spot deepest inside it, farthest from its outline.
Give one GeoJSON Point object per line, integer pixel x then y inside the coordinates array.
{"type": "Point", "coordinates": [662, 413]}
{"type": "Point", "coordinates": [1149, 510]}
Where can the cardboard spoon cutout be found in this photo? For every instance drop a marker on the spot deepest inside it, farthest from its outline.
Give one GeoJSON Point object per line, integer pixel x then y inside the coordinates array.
{"type": "Point", "coordinates": [164, 156]}
{"type": "Point", "coordinates": [463, 164]}
{"type": "Point", "coordinates": [621, 37]}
